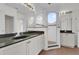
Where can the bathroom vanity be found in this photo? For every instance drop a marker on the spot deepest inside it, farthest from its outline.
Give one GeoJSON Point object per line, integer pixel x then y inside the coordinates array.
{"type": "Point", "coordinates": [30, 43]}
{"type": "Point", "coordinates": [68, 39]}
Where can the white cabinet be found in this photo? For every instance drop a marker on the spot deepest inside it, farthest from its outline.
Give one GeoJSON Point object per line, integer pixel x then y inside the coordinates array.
{"type": "Point", "coordinates": [1, 51]}
{"type": "Point", "coordinates": [31, 46]}
{"type": "Point", "coordinates": [35, 45]}
{"type": "Point", "coordinates": [45, 34]}
{"type": "Point", "coordinates": [15, 49]}
{"type": "Point", "coordinates": [68, 39]}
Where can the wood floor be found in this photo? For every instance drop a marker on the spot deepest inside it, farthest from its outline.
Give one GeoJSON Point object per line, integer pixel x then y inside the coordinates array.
{"type": "Point", "coordinates": [61, 51]}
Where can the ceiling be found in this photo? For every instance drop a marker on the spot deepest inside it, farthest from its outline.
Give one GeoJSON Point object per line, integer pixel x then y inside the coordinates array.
{"type": "Point", "coordinates": [18, 6]}
{"type": "Point", "coordinates": [56, 7]}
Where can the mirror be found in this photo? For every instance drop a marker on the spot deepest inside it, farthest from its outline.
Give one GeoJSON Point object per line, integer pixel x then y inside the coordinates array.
{"type": "Point", "coordinates": [9, 24]}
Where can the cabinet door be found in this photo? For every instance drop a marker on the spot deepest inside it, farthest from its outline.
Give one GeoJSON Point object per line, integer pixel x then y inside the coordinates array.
{"type": "Point", "coordinates": [35, 45]}
{"type": "Point", "coordinates": [42, 42]}
{"type": "Point", "coordinates": [68, 40]}
{"type": "Point", "coordinates": [15, 49]}
{"type": "Point", "coordinates": [31, 46]}
{"type": "Point", "coordinates": [39, 43]}
{"type": "Point", "coordinates": [63, 38]}
{"type": "Point", "coordinates": [1, 51]}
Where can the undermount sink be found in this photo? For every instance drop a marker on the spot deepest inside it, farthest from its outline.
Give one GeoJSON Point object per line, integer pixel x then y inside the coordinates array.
{"type": "Point", "coordinates": [19, 37]}
{"type": "Point", "coordinates": [5, 38]}
{"type": "Point", "coordinates": [7, 35]}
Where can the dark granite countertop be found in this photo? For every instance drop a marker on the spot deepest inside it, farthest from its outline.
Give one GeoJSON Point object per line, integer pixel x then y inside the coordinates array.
{"type": "Point", "coordinates": [67, 31]}
{"type": "Point", "coordinates": [7, 35]}
{"type": "Point", "coordinates": [24, 36]}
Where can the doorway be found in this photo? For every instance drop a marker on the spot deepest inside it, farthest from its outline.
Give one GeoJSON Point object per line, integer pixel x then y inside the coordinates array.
{"type": "Point", "coordinates": [52, 30]}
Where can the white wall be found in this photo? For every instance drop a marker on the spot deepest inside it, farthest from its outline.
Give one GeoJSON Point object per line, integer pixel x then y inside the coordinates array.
{"type": "Point", "coordinates": [76, 19]}
{"type": "Point", "coordinates": [8, 10]}
{"type": "Point", "coordinates": [25, 25]}
{"type": "Point", "coordinates": [35, 15]}
{"type": "Point", "coordinates": [76, 25]}
{"type": "Point", "coordinates": [22, 20]}
{"type": "Point", "coordinates": [42, 14]}
{"type": "Point", "coordinates": [2, 25]}
{"type": "Point", "coordinates": [5, 10]}
{"type": "Point", "coordinates": [31, 22]}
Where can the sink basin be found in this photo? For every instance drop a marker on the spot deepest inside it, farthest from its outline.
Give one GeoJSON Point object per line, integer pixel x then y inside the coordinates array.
{"type": "Point", "coordinates": [6, 37]}
{"type": "Point", "coordinates": [20, 37]}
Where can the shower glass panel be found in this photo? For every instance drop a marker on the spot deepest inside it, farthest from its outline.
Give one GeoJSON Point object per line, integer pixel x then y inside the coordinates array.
{"type": "Point", "coordinates": [52, 29]}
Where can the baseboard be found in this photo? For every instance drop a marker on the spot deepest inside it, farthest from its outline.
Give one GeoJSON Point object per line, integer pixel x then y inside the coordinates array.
{"type": "Point", "coordinates": [68, 46]}
{"type": "Point", "coordinates": [53, 48]}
